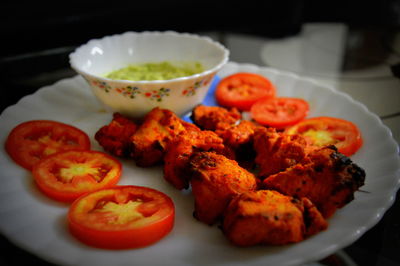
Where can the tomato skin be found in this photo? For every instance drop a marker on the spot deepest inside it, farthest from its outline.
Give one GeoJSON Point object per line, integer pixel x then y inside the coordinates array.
{"type": "Point", "coordinates": [100, 231]}
{"type": "Point", "coordinates": [67, 175]}
{"type": "Point", "coordinates": [279, 112]}
{"type": "Point", "coordinates": [33, 140]}
{"type": "Point", "coordinates": [242, 90]}
{"type": "Point", "coordinates": [322, 131]}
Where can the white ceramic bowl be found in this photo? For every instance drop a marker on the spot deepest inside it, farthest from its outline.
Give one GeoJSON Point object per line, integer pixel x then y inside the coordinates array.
{"type": "Point", "coordinates": [135, 98]}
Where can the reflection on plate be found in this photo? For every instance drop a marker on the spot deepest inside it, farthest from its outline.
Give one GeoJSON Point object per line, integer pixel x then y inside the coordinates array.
{"type": "Point", "coordinates": [38, 225]}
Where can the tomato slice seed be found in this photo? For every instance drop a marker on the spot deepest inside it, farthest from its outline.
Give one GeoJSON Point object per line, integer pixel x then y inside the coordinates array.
{"type": "Point", "coordinates": [242, 90]}
{"type": "Point", "coordinates": [65, 176]}
{"type": "Point", "coordinates": [31, 141]}
{"type": "Point", "coordinates": [120, 213]}
{"type": "Point", "coordinates": [322, 131]}
{"type": "Point", "coordinates": [121, 217]}
{"type": "Point", "coordinates": [279, 112]}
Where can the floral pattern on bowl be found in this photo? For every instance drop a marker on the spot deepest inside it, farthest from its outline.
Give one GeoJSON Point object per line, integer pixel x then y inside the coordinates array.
{"type": "Point", "coordinates": [129, 91]}
{"type": "Point", "coordinates": [156, 94]}
{"type": "Point", "coordinates": [101, 84]}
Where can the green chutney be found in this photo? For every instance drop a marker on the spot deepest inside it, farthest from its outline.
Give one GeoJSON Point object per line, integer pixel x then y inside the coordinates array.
{"type": "Point", "coordinates": [156, 71]}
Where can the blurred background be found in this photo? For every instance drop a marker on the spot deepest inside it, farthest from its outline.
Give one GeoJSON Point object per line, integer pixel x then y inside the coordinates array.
{"type": "Point", "coordinates": [37, 36]}
{"type": "Point", "coordinates": [352, 45]}
{"type": "Point", "coordinates": [29, 26]}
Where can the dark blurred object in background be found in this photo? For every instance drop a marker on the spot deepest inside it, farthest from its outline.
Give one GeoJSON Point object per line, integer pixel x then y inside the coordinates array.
{"type": "Point", "coordinates": [375, 13]}
{"type": "Point", "coordinates": [27, 27]}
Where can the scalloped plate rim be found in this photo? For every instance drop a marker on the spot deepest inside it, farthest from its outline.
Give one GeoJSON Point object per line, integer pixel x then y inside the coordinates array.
{"type": "Point", "coordinates": [328, 249]}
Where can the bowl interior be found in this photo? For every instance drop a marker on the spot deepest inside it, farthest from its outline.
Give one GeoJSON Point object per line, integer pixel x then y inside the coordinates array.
{"type": "Point", "coordinates": [99, 57]}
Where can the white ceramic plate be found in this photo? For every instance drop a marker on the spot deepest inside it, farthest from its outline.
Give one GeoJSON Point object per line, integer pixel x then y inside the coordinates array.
{"type": "Point", "coordinates": [38, 224]}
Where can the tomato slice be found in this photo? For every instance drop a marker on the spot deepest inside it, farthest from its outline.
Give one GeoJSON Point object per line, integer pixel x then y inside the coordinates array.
{"type": "Point", "coordinates": [31, 141]}
{"type": "Point", "coordinates": [242, 90]}
{"type": "Point", "coordinates": [279, 112]}
{"type": "Point", "coordinates": [67, 175]}
{"type": "Point", "coordinates": [121, 217]}
{"type": "Point", "coordinates": [323, 131]}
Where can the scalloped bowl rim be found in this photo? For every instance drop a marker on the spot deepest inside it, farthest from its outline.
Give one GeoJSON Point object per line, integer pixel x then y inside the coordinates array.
{"type": "Point", "coordinates": [225, 56]}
